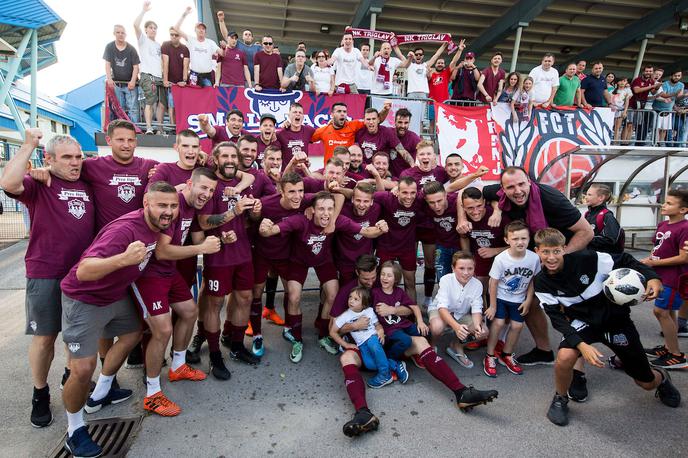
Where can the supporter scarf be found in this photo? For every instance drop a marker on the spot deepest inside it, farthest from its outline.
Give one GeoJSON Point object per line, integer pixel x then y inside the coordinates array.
{"type": "Point", "coordinates": [535, 215]}
{"type": "Point", "coordinates": [112, 106]}
{"type": "Point", "coordinates": [383, 72]}
{"type": "Point", "coordinates": [395, 40]}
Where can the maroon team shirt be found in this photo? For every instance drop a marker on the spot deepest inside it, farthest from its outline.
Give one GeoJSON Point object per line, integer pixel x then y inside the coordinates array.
{"type": "Point", "coordinates": [309, 245]}
{"type": "Point", "coordinates": [491, 82]}
{"type": "Point", "coordinates": [175, 69]}
{"type": "Point", "coordinates": [113, 239]}
{"type": "Point", "coordinates": [401, 220]}
{"type": "Point", "coordinates": [293, 142]}
{"type": "Point", "coordinates": [222, 135]}
{"type": "Point", "coordinates": [117, 188]}
{"type": "Point", "coordinates": [398, 298]}
{"type": "Point", "coordinates": [348, 247]}
{"type": "Point", "coordinates": [233, 67]}
{"type": "Point", "coordinates": [231, 254]}
{"type": "Point", "coordinates": [484, 236]}
{"type": "Point", "coordinates": [62, 225]}
{"type": "Point", "coordinates": [269, 63]}
{"type": "Point", "coordinates": [385, 139]}
{"type": "Point", "coordinates": [171, 173]}
{"type": "Point", "coordinates": [638, 100]}
{"type": "Point", "coordinates": [262, 185]}
{"type": "Point", "coordinates": [445, 224]}
{"type": "Point", "coordinates": [178, 232]}
{"type": "Point", "coordinates": [277, 247]}
{"type": "Point", "coordinates": [421, 177]}
{"type": "Point", "coordinates": [313, 185]}
{"type": "Point", "coordinates": [668, 241]}
{"type": "Point", "coordinates": [397, 163]}
{"type": "Point", "coordinates": [262, 147]}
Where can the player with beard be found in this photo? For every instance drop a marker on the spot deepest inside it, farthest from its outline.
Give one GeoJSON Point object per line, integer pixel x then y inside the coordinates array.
{"type": "Point", "coordinates": [409, 141]}
{"type": "Point", "coordinates": [440, 77]}
{"type": "Point", "coordinates": [297, 136]}
{"type": "Point", "coordinates": [230, 270]}
{"type": "Point", "coordinates": [376, 138]}
{"type": "Point", "coordinates": [402, 212]}
{"type": "Point", "coordinates": [356, 154]}
{"type": "Point", "coordinates": [340, 131]}
{"type": "Point", "coordinates": [348, 247]}
{"type": "Point", "coordinates": [96, 303]}
{"type": "Point", "coordinates": [422, 353]}
{"type": "Point", "coordinates": [162, 287]}
{"type": "Point", "coordinates": [453, 165]}
{"type": "Point", "coordinates": [311, 246]}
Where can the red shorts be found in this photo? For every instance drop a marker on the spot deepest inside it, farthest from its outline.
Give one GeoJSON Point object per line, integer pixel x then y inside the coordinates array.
{"type": "Point", "coordinates": [188, 268]}
{"type": "Point", "coordinates": [325, 272]}
{"type": "Point", "coordinates": [407, 260]}
{"type": "Point", "coordinates": [262, 266]}
{"type": "Point", "coordinates": [222, 280]}
{"type": "Point", "coordinates": [426, 235]}
{"type": "Point", "coordinates": [155, 294]}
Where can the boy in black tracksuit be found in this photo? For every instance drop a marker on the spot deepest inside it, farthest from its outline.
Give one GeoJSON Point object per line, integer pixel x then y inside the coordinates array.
{"type": "Point", "coordinates": [569, 288]}
{"type": "Point", "coordinates": [609, 237]}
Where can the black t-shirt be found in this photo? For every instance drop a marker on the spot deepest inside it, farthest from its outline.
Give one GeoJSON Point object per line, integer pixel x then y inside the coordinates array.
{"type": "Point", "coordinates": [559, 211]}
{"type": "Point", "coordinates": [122, 62]}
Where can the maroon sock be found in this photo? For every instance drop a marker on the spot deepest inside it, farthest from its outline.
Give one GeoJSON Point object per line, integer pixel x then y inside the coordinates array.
{"type": "Point", "coordinates": [429, 280]}
{"type": "Point", "coordinates": [238, 333]}
{"type": "Point", "coordinates": [294, 322]}
{"type": "Point", "coordinates": [256, 317]}
{"type": "Point", "coordinates": [213, 340]}
{"type": "Point", "coordinates": [439, 369]}
{"type": "Point", "coordinates": [285, 302]}
{"type": "Point", "coordinates": [323, 327]}
{"type": "Point", "coordinates": [355, 386]}
{"type": "Point", "coordinates": [227, 328]}
{"type": "Point", "coordinates": [201, 330]}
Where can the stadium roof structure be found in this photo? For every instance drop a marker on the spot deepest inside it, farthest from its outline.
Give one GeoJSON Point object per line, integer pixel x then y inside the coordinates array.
{"type": "Point", "coordinates": [617, 32]}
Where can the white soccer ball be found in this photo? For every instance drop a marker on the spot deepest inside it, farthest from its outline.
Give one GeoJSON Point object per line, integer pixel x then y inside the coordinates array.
{"type": "Point", "coordinates": [625, 286]}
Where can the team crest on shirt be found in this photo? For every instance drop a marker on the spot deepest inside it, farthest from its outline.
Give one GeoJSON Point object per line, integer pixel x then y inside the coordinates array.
{"type": "Point", "coordinates": [446, 223]}
{"type": "Point", "coordinates": [585, 279]}
{"type": "Point", "coordinates": [369, 149]}
{"type": "Point", "coordinates": [403, 218]}
{"type": "Point", "coordinates": [393, 319]}
{"type": "Point", "coordinates": [364, 224]}
{"type": "Point", "coordinates": [74, 346]}
{"type": "Point", "coordinates": [65, 194]}
{"type": "Point", "coordinates": [185, 226]}
{"type": "Point", "coordinates": [126, 192]}
{"type": "Point", "coordinates": [76, 208]}
{"type": "Point", "coordinates": [427, 179]}
{"type": "Point", "coordinates": [150, 248]}
{"type": "Point", "coordinates": [231, 202]}
{"type": "Point", "coordinates": [316, 243]}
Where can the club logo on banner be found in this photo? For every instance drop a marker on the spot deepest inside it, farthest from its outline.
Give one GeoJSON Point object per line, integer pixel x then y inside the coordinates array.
{"type": "Point", "coordinates": [488, 136]}
{"type": "Point", "coordinates": [217, 102]}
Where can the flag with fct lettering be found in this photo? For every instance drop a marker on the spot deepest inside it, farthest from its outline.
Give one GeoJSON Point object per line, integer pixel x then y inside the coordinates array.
{"type": "Point", "coordinates": [489, 136]}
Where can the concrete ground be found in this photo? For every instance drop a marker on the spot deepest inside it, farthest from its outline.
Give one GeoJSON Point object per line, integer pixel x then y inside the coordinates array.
{"type": "Point", "coordinates": [283, 409]}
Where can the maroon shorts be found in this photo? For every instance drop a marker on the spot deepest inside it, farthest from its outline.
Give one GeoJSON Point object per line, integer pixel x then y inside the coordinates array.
{"type": "Point", "coordinates": [426, 235]}
{"type": "Point", "coordinates": [482, 266]}
{"type": "Point", "coordinates": [188, 268]}
{"type": "Point", "coordinates": [325, 272]}
{"type": "Point", "coordinates": [346, 274]}
{"type": "Point", "coordinates": [261, 267]}
{"type": "Point", "coordinates": [155, 294]}
{"type": "Point", "coordinates": [407, 260]}
{"type": "Point", "coordinates": [222, 280]}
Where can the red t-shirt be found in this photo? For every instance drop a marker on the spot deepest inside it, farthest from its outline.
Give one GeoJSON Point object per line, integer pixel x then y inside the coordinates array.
{"type": "Point", "coordinates": [439, 85]}
{"type": "Point", "coordinates": [269, 63]}
{"type": "Point", "coordinates": [638, 100]}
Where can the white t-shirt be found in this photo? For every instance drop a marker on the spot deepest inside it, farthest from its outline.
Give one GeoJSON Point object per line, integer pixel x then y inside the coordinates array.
{"type": "Point", "coordinates": [417, 77]}
{"type": "Point", "coordinates": [350, 316]}
{"type": "Point", "coordinates": [364, 78]}
{"type": "Point", "coordinates": [514, 275]}
{"type": "Point", "coordinates": [322, 78]}
{"type": "Point", "coordinates": [384, 87]}
{"type": "Point", "coordinates": [149, 54]}
{"type": "Point", "coordinates": [458, 299]}
{"type": "Point", "coordinates": [543, 81]}
{"type": "Point", "coordinates": [201, 54]}
{"type": "Point", "coordinates": [347, 64]}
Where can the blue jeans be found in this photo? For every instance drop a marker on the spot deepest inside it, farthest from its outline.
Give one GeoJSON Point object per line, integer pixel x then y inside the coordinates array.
{"type": "Point", "coordinates": [373, 356]}
{"type": "Point", "coordinates": [399, 341]}
{"type": "Point", "coordinates": [443, 260]}
{"type": "Point", "coordinates": [129, 99]}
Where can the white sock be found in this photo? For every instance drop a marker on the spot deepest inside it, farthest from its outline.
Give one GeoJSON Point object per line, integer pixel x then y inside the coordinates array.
{"type": "Point", "coordinates": [102, 387]}
{"type": "Point", "coordinates": [74, 421]}
{"type": "Point", "coordinates": [152, 385]}
{"type": "Point", "coordinates": [178, 359]}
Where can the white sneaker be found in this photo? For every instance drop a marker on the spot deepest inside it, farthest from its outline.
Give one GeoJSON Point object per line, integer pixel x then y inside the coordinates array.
{"type": "Point", "coordinates": [460, 358]}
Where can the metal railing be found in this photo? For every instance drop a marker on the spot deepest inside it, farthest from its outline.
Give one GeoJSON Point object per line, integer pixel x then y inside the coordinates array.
{"type": "Point", "coordinates": [639, 128]}
{"type": "Point", "coordinates": [168, 125]}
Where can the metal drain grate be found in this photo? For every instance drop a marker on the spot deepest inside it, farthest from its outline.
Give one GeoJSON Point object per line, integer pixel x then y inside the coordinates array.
{"type": "Point", "coordinates": [115, 435]}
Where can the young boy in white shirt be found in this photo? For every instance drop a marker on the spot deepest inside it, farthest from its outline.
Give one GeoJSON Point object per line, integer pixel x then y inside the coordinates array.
{"type": "Point", "coordinates": [511, 294]}
{"type": "Point", "coordinates": [458, 308]}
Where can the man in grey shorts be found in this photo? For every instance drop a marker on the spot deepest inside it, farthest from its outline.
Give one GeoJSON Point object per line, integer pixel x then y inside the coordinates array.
{"type": "Point", "coordinates": [62, 226]}
{"type": "Point", "coordinates": [96, 303]}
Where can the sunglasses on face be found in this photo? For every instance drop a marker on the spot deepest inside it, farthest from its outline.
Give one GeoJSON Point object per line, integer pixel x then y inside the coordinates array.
{"type": "Point", "coordinates": [174, 35]}
{"type": "Point", "coordinates": [267, 43]}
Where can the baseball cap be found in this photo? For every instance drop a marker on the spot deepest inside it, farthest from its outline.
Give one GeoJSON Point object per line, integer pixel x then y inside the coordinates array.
{"type": "Point", "coordinates": [200, 24]}
{"type": "Point", "coordinates": [265, 116]}
{"type": "Point", "coordinates": [233, 34]}
{"type": "Point", "coordinates": [470, 54]}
